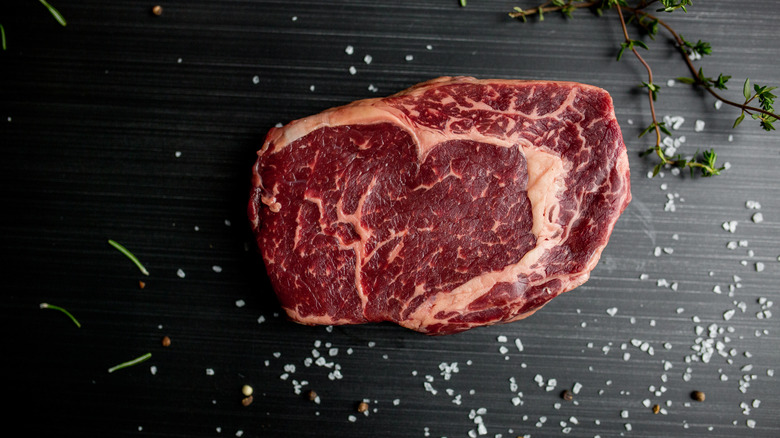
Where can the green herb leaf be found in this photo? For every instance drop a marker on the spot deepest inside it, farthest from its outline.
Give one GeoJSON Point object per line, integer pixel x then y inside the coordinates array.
{"type": "Point", "coordinates": [2, 35]}
{"type": "Point", "coordinates": [53, 307]}
{"type": "Point", "coordinates": [739, 120]}
{"type": "Point", "coordinates": [130, 362]}
{"type": "Point", "coordinates": [55, 13]}
{"type": "Point", "coordinates": [129, 255]}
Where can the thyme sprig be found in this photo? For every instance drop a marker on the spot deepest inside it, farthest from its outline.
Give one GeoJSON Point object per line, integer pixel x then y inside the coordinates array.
{"type": "Point", "coordinates": [650, 24]}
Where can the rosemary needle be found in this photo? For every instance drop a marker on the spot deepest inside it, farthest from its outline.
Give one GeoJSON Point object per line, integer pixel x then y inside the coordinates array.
{"type": "Point", "coordinates": [130, 363]}
{"type": "Point", "coordinates": [53, 307]}
{"type": "Point", "coordinates": [54, 12]}
{"type": "Point", "coordinates": [129, 255]}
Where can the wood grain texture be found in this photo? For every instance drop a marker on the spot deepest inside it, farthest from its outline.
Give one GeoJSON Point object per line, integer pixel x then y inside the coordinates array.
{"type": "Point", "coordinates": [143, 129]}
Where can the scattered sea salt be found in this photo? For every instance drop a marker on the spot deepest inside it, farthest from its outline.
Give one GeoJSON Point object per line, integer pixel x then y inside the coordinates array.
{"type": "Point", "coordinates": [612, 311]}
{"type": "Point", "coordinates": [758, 218]}
{"type": "Point", "coordinates": [256, 80]}
{"type": "Point", "coordinates": [349, 50]}
{"type": "Point", "coordinates": [180, 273]}
{"type": "Point", "coordinates": [367, 59]}
{"type": "Point", "coordinates": [699, 126]}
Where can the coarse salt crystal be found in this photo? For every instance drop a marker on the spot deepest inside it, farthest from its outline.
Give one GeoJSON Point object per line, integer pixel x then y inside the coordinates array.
{"type": "Point", "coordinates": [349, 50]}
{"type": "Point", "coordinates": [699, 126]}
{"type": "Point", "coordinates": [758, 218]}
{"type": "Point", "coordinates": [612, 311]}
{"type": "Point", "coordinates": [728, 314]}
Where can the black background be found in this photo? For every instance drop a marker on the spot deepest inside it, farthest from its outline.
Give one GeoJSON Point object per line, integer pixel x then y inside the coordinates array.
{"type": "Point", "coordinates": [143, 129]}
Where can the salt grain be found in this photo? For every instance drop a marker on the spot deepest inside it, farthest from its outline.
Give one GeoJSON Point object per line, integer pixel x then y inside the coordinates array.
{"type": "Point", "coordinates": [699, 126]}
{"type": "Point", "coordinates": [758, 218]}
{"type": "Point", "coordinates": [349, 50]}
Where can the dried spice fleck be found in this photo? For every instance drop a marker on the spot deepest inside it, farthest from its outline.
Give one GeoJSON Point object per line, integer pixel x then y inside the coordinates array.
{"type": "Point", "coordinates": [567, 395]}
{"type": "Point", "coordinates": [141, 284]}
{"type": "Point", "coordinates": [166, 341]}
{"type": "Point", "coordinates": [656, 409]}
{"type": "Point", "coordinates": [362, 407]}
{"type": "Point", "coordinates": [246, 401]}
{"type": "Point", "coordinates": [698, 396]}
{"type": "Point", "coordinates": [157, 10]}
{"type": "Point", "coordinates": [312, 395]}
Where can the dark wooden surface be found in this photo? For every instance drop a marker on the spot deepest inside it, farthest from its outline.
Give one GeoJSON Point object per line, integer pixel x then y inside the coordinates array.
{"type": "Point", "coordinates": [143, 129]}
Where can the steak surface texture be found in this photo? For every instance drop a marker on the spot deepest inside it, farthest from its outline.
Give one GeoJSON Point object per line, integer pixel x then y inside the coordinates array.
{"type": "Point", "coordinates": [453, 204]}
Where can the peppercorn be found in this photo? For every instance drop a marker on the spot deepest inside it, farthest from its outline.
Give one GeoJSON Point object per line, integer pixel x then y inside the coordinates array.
{"type": "Point", "coordinates": [567, 395]}
{"type": "Point", "coordinates": [656, 409]}
{"type": "Point", "coordinates": [157, 10]}
{"type": "Point", "coordinates": [312, 395]}
{"type": "Point", "coordinates": [362, 407]}
{"type": "Point", "coordinates": [698, 396]}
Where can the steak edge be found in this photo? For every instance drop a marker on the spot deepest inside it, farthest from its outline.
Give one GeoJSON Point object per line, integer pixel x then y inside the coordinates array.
{"type": "Point", "coordinates": [453, 204]}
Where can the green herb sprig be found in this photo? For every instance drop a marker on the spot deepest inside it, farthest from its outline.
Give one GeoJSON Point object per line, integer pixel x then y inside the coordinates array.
{"type": "Point", "coordinates": [650, 24]}
{"type": "Point", "coordinates": [52, 10]}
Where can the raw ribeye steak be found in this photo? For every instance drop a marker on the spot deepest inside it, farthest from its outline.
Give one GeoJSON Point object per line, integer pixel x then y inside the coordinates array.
{"type": "Point", "coordinates": [453, 204]}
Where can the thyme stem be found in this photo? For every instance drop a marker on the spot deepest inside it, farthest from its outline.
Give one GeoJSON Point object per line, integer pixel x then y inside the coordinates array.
{"type": "Point", "coordinates": [657, 128]}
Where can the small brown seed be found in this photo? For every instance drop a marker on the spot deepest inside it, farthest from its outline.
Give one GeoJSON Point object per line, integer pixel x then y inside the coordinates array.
{"type": "Point", "coordinates": [312, 395]}
{"type": "Point", "coordinates": [698, 396]}
{"type": "Point", "coordinates": [246, 401]}
{"type": "Point", "coordinates": [166, 341]}
{"type": "Point", "coordinates": [656, 409]}
{"type": "Point", "coordinates": [157, 10]}
{"type": "Point", "coordinates": [141, 284]}
{"type": "Point", "coordinates": [567, 395]}
{"type": "Point", "coordinates": [362, 407]}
